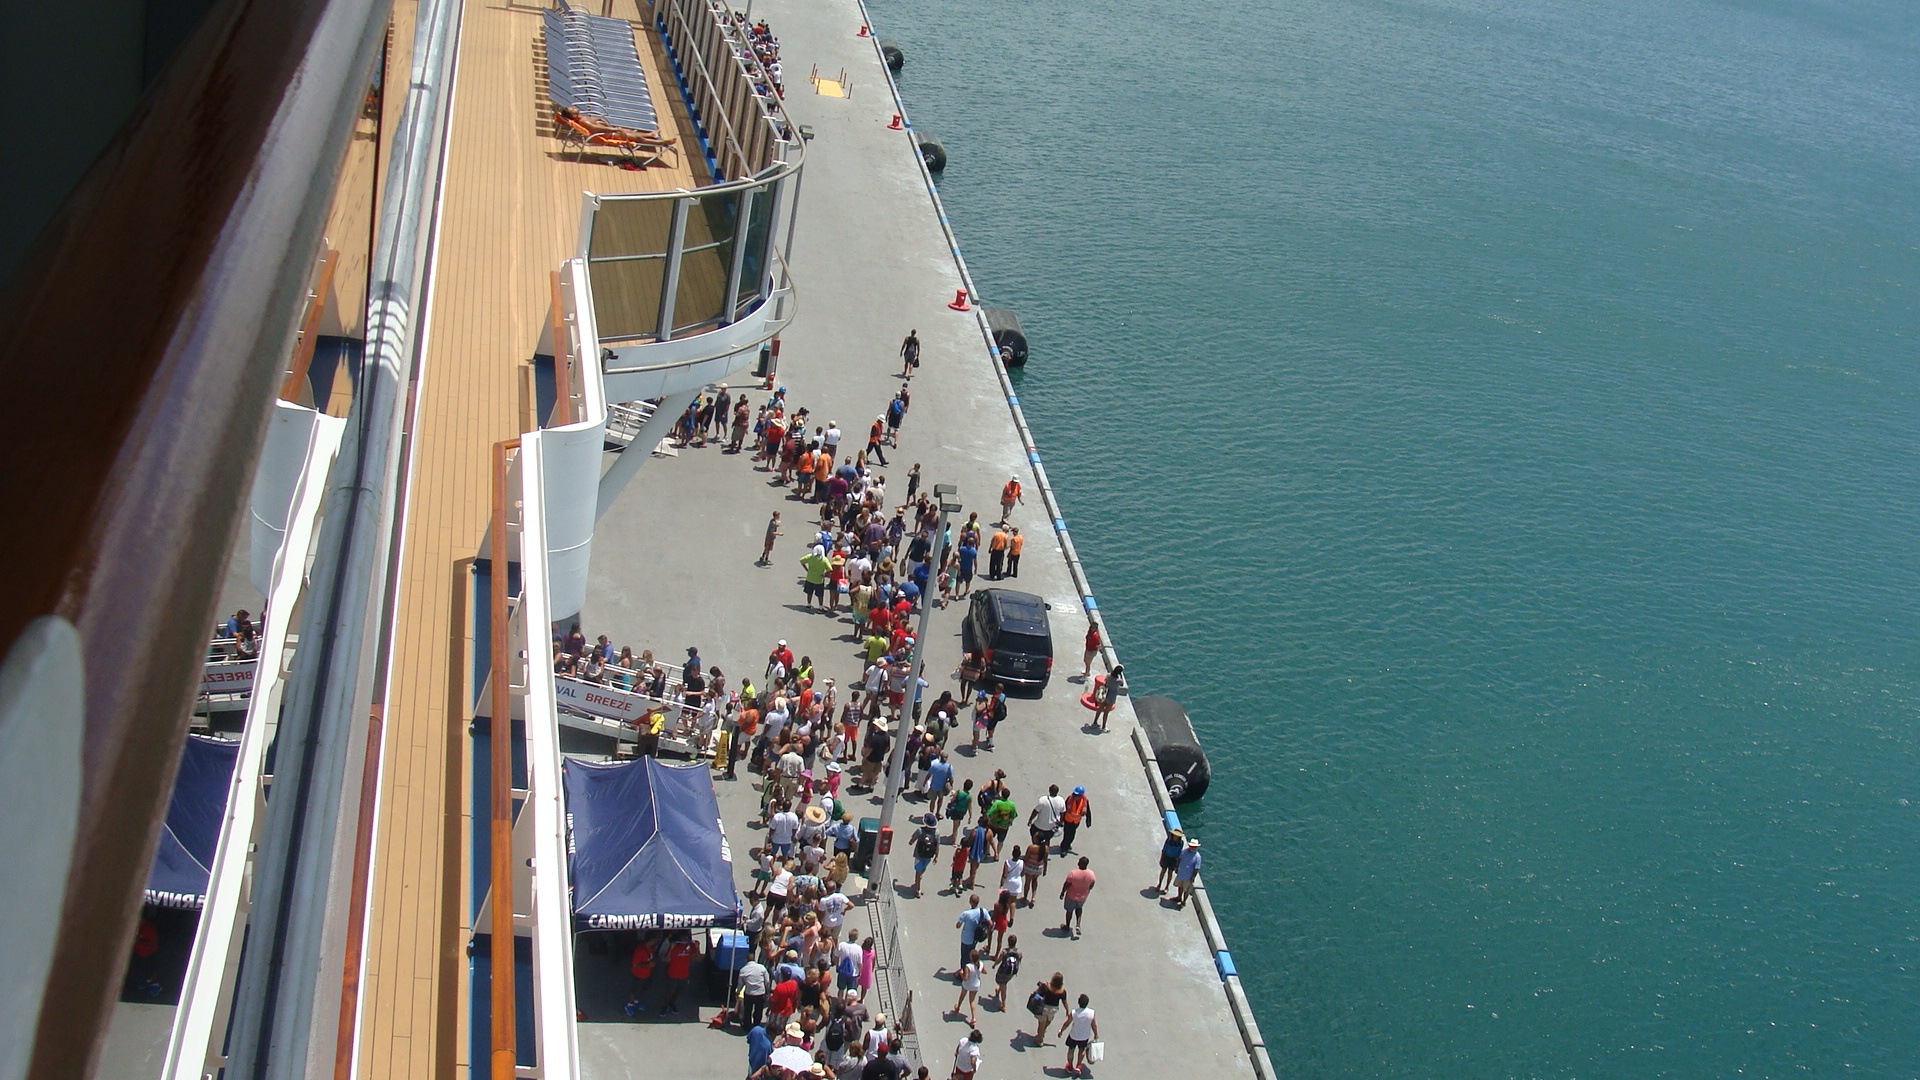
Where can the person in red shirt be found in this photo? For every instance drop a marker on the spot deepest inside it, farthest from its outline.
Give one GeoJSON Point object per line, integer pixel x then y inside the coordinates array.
{"type": "Point", "coordinates": [680, 957]}
{"type": "Point", "coordinates": [781, 1003]}
{"type": "Point", "coordinates": [1093, 648]}
{"type": "Point", "coordinates": [642, 968]}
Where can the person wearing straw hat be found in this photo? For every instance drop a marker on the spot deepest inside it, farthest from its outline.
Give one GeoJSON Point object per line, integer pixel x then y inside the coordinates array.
{"type": "Point", "coordinates": [1170, 851]}
{"type": "Point", "coordinates": [1188, 869]}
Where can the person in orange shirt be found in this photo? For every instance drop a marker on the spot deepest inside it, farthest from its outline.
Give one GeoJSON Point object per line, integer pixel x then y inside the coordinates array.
{"type": "Point", "coordinates": [1009, 495]}
{"type": "Point", "coordinates": [1013, 552]}
{"type": "Point", "coordinates": [997, 554]}
{"type": "Point", "coordinates": [803, 475]}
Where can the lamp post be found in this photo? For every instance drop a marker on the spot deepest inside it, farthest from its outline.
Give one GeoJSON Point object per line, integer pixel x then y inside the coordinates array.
{"type": "Point", "coordinates": [946, 496]}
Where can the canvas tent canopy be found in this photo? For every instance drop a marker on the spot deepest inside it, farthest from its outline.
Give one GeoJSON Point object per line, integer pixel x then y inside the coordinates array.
{"type": "Point", "coordinates": [192, 830]}
{"type": "Point", "coordinates": [645, 847]}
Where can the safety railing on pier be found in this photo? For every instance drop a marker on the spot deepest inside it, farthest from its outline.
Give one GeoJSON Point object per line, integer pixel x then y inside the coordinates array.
{"type": "Point", "coordinates": [890, 973]}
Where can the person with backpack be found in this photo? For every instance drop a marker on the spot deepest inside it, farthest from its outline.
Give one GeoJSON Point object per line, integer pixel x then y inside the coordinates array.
{"type": "Point", "coordinates": [846, 967]}
{"type": "Point", "coordinates": [1005, 970]}
{"type": "Point", "coordinates": [926, 845]}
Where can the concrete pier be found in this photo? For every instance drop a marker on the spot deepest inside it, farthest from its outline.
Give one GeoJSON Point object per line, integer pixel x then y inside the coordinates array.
{"type": "Point", "coordinates": [674, 565]}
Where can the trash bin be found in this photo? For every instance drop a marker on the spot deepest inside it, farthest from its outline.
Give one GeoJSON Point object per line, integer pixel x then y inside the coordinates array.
{"type": "Point", "coordinates": [869, 839]}
{"type": "Point", "coordinates": [729, 954]}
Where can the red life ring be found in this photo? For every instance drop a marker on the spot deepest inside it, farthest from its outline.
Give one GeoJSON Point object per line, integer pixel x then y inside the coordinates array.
{"type": "Point", "coordinates": [1087, 699]}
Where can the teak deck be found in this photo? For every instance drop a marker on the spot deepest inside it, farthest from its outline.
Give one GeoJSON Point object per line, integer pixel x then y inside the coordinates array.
{"type": "Point", "coordinates": [509, 213]}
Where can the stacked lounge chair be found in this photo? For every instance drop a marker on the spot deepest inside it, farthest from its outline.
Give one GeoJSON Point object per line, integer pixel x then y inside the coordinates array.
{"type": "Point", "coordinates": [592, 66]}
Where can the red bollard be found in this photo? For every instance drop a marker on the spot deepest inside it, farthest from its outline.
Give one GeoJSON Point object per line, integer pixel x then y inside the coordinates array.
{"type": "Point", "coordinates": [896, 125]}
{"type": "Point", "coordinates": [960, 301]}
{"type": "Point", "coordinates": [864, 32]}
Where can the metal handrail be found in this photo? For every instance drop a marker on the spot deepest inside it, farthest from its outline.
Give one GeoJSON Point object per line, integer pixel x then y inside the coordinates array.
{"type": "Point", "coordinates": [500, 732]}
{"type": "Point", "coordinates": [310, 328]}
{"type": "Point", "coordinates": [176, 269]}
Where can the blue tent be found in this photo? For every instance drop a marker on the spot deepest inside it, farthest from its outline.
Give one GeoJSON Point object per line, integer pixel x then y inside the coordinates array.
{"type": "Point", "coordinates": [645, 847]}
{"type": "Point", "coordinates": [194, 817]}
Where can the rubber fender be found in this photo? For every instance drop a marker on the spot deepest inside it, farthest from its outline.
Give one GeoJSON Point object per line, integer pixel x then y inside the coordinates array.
{"type": "Point", "coordinates": [1008, 335]}
{"type": "Point", "coordinates": [893, 56]}
{"type": "Point", "coordinates": [933, 153]}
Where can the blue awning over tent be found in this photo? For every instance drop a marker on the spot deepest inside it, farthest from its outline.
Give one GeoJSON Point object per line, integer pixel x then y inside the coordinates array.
{"type": "Point", "coordinates": [645, 847]}
{"type": "Point", "coordinates": [194, 817]}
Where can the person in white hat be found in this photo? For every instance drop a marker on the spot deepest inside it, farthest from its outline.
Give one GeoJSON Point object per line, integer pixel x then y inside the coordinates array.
{"type": "Point", "coordinates": [1189, 869]}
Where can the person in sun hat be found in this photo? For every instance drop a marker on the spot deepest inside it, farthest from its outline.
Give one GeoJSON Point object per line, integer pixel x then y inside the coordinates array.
{"type": "Point", "coordinates": [1170, 850]}
{"type": "Point", "coordinates": [1188, 869]}
{"type": "Point", "coordinates": [1010, 495]}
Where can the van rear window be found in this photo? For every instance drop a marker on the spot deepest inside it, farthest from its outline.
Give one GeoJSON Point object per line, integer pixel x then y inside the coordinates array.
{"type": "Point", "coordinates": [1031, 644]}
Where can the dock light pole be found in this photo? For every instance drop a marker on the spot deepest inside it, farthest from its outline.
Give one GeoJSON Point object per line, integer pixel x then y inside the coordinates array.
{"type": "Point", "coordinates": [946, 496]}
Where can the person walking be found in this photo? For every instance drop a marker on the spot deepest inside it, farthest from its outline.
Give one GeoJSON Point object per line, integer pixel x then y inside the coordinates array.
{"type": "Point", "coordinates": [1187, 870]}
{"type": "Point", "coordinates": [1005, 969]}
{"type": "Point", "coordinates": [876, 439]}
{"type": "Point", "coordinates": [966, 1056]}
{"type": "Point", "coordinates": [1081, 1028]}
{"type": "Point", "coordinates": [1045, 818]}
{"type": "Point", "coordinates": [1044, 1003]}
{"type": "Point", "coordinates": [970, 972]}
{"type": "Point", "coordinates": [979, 841]}
{"type": "Point", "coordinates": [1093, 646]}
{"type": "Point", "coordinates": [773, 533]}
{"type": "Point", "coordinates": [1107, 695]}
{"type": "Point", "coordinates": [1077, 811]}
{"type": "Point", "coordinates": [957, 809]}
{"type": "Point", "coordinates": [1009, 496]}
{"type": "Point", "coordinates": [910, 354]}
{"type": "Point", "coordinates": [972, 924]}
{"type": "Point", "coordinates": [897, 415]}
{"type": "Point", "coordinates": [1074, 891]}
{"type": "Point", "coordinates": [926, 845]}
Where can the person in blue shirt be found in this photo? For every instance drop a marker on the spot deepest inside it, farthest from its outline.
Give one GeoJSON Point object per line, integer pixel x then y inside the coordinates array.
{"type": "Point", "coordinates": [968, 555]}
{"type": "Point", "coordinates": [759, 1048]}
{"type": "Point", "coordinates": [939, 782]}
{"type": "Point", "coordinates": [973, 923]}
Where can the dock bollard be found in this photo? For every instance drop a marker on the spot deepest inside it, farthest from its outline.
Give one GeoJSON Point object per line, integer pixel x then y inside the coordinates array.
{"type": "Point", "coordinates": [864, 31]}
{"type": "Point", "coordinates": [960, 301]}
{"type": "Point", "coordinates": [896, 125]}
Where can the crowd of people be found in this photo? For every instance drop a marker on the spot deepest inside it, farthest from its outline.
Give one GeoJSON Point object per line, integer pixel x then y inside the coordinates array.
{"type": "Point", "coordinates": [867, 559]}
{"type": "Point", "coordinates": [766, 49]}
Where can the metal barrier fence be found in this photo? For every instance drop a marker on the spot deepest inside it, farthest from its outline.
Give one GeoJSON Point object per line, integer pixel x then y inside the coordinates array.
{"type": "Point", "coordinates": [890, 972]}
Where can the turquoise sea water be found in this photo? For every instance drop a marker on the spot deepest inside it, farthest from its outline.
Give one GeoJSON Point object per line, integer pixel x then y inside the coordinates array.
{"type": "Point", "coordinates": [1499, 424]}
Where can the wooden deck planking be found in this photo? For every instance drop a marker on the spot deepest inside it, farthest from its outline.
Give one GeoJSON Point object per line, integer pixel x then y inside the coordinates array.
{"type": "Point", "coordinates": [509, 214]}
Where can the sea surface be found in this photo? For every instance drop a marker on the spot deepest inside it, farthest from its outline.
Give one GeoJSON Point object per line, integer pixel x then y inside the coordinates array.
{"type": "Point", "coordinates": [1499, 425]}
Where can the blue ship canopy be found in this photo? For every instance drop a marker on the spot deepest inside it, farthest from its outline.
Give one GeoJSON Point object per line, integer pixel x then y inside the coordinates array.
{"type": "Point", "coordinates": [645, 847]}
{"type": "Point", "coordinates": [192, 831]}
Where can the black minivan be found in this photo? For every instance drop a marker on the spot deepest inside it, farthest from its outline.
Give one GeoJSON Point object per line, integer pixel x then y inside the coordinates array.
{"type": "Point", "coordinates": [1011, 629]}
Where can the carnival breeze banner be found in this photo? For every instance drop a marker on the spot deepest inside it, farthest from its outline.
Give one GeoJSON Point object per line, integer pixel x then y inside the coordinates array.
{"type": "Point", "coordinates": [597, 700]}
